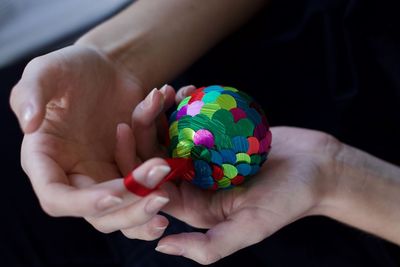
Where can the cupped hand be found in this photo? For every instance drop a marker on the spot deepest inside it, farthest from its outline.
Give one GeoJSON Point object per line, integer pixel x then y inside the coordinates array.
{"type": "Point", "coordinates": [299, 174]}
{"type": "Point", "coordinates": [291, 185]}
{"type": "Point", "coordinates": [69, 103]}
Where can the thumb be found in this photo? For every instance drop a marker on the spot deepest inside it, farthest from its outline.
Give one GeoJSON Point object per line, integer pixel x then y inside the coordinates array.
{"type": "Point", "coordinates": [31, 94]}
{"type": "Point", "coordinates": [223, 239]}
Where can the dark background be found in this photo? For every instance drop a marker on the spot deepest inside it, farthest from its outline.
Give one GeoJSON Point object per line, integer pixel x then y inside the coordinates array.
{"type": "Point", "coordinates": [327, 65]}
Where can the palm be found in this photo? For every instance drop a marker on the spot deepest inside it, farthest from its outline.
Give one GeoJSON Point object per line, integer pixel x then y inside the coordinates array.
{"type": "Point", "coordinates": [282, 192]}
{"type": "Point", "coordinates": [78, 132]}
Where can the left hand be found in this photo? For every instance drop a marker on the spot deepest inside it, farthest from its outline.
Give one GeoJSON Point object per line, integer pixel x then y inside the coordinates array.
{"type": "Point", "coordinates": [291, 185]}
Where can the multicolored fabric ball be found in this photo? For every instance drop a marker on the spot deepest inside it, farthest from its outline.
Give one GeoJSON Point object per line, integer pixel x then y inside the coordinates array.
{"type": "Point", "coordinates": [224, 131]}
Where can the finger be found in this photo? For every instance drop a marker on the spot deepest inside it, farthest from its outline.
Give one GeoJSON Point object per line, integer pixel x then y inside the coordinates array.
{"type": "Point", "coordinates": [184, 92]}
{"type": "Point", "coordinates": [150, 173]}
{"type": "Point", "coordinates": [81, 181]}
{"type": "Point", "coordinates": [162, 121]}
{"type": "Point", "coordinates": [58, 197]}
{"type": "Point", "coordinates": [125, 150]}
{"type": "Point", "coordinates": [151, 230]}
{"type": "Point", "coordinates": [140, 210]}
{"type": "Point", "coordinates": [31, 94]}
{"type": "Point", "coordinates": [144, 117]}
{"type": "Point", "coordinates": [169, 96]}
{"type": "Point", "coordinates": [138, 213]}
{"type": "Point", "coordinates": [220, 241]}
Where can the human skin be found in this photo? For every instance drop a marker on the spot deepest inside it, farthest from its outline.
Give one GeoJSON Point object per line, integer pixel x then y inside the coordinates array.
{"type": "Point", "coordinates": [308, 173]}
{"type": "Point", "coordinates": [69, 103]}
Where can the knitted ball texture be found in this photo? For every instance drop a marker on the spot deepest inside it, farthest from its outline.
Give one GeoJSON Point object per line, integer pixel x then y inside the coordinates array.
{"type": "Point", "coordinates": [225, 133]}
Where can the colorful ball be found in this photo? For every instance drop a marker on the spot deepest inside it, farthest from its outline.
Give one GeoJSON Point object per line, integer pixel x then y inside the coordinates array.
{"type": "Point", "coordinates": [224, 131]}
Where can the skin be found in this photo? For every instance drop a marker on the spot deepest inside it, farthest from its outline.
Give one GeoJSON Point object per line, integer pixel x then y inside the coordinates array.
{"type": "Point", "coordinates": [76, 107]}
{"type": "Point", "coordinates": [308, 173]}
{"type": "Point", "coordinates": [69, 102]}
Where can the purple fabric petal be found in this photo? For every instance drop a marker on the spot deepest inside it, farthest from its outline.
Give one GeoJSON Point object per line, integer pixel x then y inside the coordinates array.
{"type": "Point", "coordinates": [182, 112]}
{"type": "Point", "coordinates": [204, 137]}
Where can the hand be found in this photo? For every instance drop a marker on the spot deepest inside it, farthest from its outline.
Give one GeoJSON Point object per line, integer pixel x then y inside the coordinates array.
{"type": "Point", "coordinates": [139, 219]}
{"type": "Point", "coordinates": [69, 103]}
{"type": "Point", "coordinates": [292, 183]}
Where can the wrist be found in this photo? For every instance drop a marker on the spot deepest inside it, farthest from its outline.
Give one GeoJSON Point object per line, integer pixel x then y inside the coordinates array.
{"type": "Point", "coordinates": [331, 170]}
{"type": "Point", "coordinates": [349, 183]}
{"type": "Point", "coordinates": [334, 194]}
{"type": "Point", "coordinates": [127, 56]}
{"type": "Point", "coordinates": [364, 193]}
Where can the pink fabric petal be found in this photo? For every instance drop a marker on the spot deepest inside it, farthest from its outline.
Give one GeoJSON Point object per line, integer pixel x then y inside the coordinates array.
{"type": "Point", "coordinates": [194, 108]}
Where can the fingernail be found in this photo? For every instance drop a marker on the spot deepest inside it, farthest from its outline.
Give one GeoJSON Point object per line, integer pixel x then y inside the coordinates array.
{"type": "Point", "coordinates": [119, 128]}
{"type": "Point", "coordinates": [159, 231]}
{"type": "Point", "coordinates": [183, 93]}
{"type": "Point", "coordinates": [149, 99]}
{"type": "Point", "coordinates": [161, 228]}
{"type": "Point", "coordinates": [170, 249]}
{"type": "Point", "coordinates": [156, 174]}
{"type": "Point", "coordinates": [155, 204]}
{"type": "Point", "coordinates": [164, 88]}
{"type": "Point", "coordinates": [108, 202]}
{"type": "Point", "coordinates": [153, 177]}
{"type": "Point", "coordinates": [186, 89]}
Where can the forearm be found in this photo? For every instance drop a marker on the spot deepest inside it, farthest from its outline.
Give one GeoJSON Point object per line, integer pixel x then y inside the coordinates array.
{"type": "Point", "coordinates": [367, 195]}
{"type": "Point", "coordinates": [157, 39]}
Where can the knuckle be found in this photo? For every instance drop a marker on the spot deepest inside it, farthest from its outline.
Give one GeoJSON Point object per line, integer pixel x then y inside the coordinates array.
{"type": "Point", "coordinates": [208, 257]}
{"type": "Point", "coordinates": [49, 207]}
{"type": "Point", "coordinates": [34, 64]}
{"type": "Point", "coordinates": [327, 140]}
{"type": "Point", "coordinates": [43, 65]}
{"type": "Point", "coordinates": [13, 98]}
{"type": "Point", "coordinates": [148, 237]}
{"type": "Point", "coordinates": [152, 234]}
{"type": "Point", "coordinates": [24, 163]}
{"type": "Point", "coordinates": [146, 234]}
{"type": "Point", "coordinates": [129, 233]}
{"type": "Point", "coordinates": [100, 227]}
{"type": "Point", "coordinates": [103, 230]}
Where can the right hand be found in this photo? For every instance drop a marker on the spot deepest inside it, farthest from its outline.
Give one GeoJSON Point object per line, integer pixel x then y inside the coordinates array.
{"type": "Point", "coordinates": [69, 103]}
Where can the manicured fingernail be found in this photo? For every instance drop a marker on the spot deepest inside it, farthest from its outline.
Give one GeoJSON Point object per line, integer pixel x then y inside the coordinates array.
{"type": "Point", "coordinates": [158, 231]}
{"type": "Point", "coordinates": [149, 99]}
{"type": "Point", "coordinates": [161, 228]}
{"type": "Point", "coordinates": [156, 174]}
{"type": "Point", "coordinates": [164, 88]}
{"type": "Point", "coordinates": [183, 92]}
{"type": "Point", "coordinates": [155, 204]}
{"type": "Point", "coordinates": [187, 90]}
{"type": "Point", "coordinates": [108, 202]}
{"type": "Point", "coordinates": [170, 249]}
{"type": "Point", "coordinates": [119, 128]}
{"type": "Point", "coordinates": [153, 177]}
